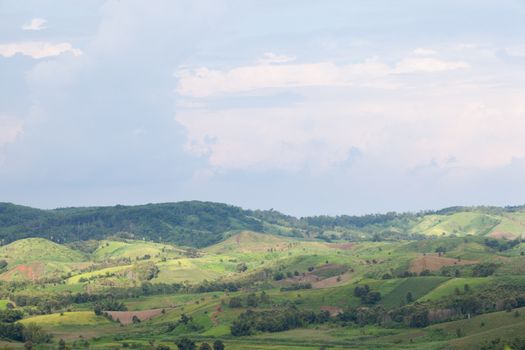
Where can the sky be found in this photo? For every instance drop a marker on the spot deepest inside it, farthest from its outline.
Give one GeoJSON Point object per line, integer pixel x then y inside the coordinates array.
{"type": "Point", "coordinates": [307, 107]}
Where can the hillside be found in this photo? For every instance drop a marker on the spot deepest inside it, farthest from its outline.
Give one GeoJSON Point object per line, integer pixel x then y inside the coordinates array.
{"type": "Point", "coordinates": [200, 224]}
{"type": "Point", "coordinates": [185, 223]}
{"type": "Point", "coordinates": [33, 259]}
{"type": "Point", "coordinates": [38, 250]}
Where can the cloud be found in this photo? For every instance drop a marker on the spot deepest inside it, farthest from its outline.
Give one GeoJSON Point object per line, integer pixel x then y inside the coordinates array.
{"type": "Point", "coordinates": [37, 49]}
{"type": "Point", "coordinates": [477, 128]}
{"type": "Point", "coordinates": [272, 58]}
{"type": "Point", "coordinates": [516, 51]}
{"type": "Point", "coordinates": [424, 52]}
{"type": "Point", "coordinates": [205, 82]}
{"type": "Point", "coordinates": [414, 65]}
{"type": "Point", "coordinates": [10, 129]}
{"type": "Point", "coordinates": [35, 24]}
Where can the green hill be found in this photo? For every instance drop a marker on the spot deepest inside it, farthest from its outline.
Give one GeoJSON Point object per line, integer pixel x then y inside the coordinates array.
{"type": "Point", "coordinates": [30, 250]}
{"type": "Point", "coordinates": [108, 250]}
{"type": "Point", "coordinates": [201, 224]}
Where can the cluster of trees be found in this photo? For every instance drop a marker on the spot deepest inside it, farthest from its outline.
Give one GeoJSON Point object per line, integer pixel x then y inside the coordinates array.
{"type": "Point", "coordinates": [215, 286]}
{"type": "Point", "coordinates": [251, 300]}
{"type": "Point", "coordinates": [146, 271]}
{"type": "Point", "coordinates": [501, 244]}
{"type": "Point", "coordinates": [368, 297]}
{"type": "Point", "coordinates": [296, 286]}
{"type": "Point", "coordinates": [184, 325]}
{"type": "Point", "coordinates": [276, 320]}
{"type": "Point", "coordinates": [484, 269]}
{"type": "Point", "coordinates": [11, 329]}
{"type": "Point", "coordinates": [186, 343]}
{"type": "Point", "coordinates": [46, 303]}
{"type": "Point", "coordinates": [504, 344]}
{"type": "Point", "coordinates": [108, 305]}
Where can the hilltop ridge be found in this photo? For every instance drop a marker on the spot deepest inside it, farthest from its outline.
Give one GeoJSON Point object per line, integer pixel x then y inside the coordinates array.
{"type": "Point", "coordinates": [200, 224]}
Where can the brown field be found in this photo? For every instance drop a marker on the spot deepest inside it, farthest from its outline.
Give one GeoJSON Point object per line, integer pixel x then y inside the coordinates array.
{"type": "Point", "coordinates": [31, 272]}
{"type": "Point", "coordinates": [332, 281]}
{"type": "Point", "coordinates": [343, 246]}
{"type": "Point", "coordinates": [126, 317]}
{"type": "Point", "coordinates": [505, 235]}
{"type": "Point", "coordinates": [434, 263]}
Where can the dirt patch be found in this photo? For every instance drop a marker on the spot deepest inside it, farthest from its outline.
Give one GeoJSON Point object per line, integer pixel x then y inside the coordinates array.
{"type": "Point", "coordinates": [333, 310]}
{"type": "Point", "coordinates": [215, 315]}
{"type": "Point", "coordinates": [342, 246]}
{"type": "Point", "coordinates": [435, 262]}
{"type": "Point", "coordinates": [505, 235]}
{"type": "Point", "coordinates": [126, 317]}
{"type": "Point", "coordinates": [332, 281]}
{"type": "Point", "coordinates": [30, 272]}
{"type": "Point", "coordinates": [329, 270]}
{"type": "Point", "coordinates": [325, 276]}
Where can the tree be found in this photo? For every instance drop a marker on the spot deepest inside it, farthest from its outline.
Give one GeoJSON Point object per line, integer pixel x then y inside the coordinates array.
{"type": "Point", "coordinates": [240, 328]}
{"type": "Point", "coordinates": [35, 334]}
{"type": "Point", "coordinates": [185, 343]}
{"type": "Point", "coordinates": [205, 346]}
{"type": "Point", "coordinates": [185, 319]}
{"type": "Point", "coordinates": [264, 298]}
{"type": "Point", "coordinates": [242, 267]}
{"type": "Point", "coordinates": [235, 302]}
{"type": "Point", "coordinates": [218, 345]}
{"type": "Point", "coordinates": [409, 297]}
{"type": "Point", "coordinates": [252, 300]}
{"type": "Point", "coordinates": [371, 298]}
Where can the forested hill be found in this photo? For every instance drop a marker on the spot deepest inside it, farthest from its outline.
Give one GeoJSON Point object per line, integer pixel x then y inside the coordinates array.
{"type": "Point", "coordinates": [186, 223]}
{"type": "Point", "coordinates": [200, 224]}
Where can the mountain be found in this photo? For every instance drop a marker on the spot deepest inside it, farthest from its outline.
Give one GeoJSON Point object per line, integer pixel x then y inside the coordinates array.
{"type": "Point", "coordinates": [200, 224]}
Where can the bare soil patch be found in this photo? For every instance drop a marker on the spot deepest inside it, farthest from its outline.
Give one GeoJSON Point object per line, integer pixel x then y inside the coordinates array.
{"type": "Point", "coordinates": [342, 246]}
{"type": "Point", "coordinates": [332, 281]}
{"type": "Point", "coordinates": [435, 262]}
{"type": "Point", "coordinates": [31, 272]}
{"type": "Point", "coordinates": [500, 235]}
{"type": "Point", "coordinates": [126, 317]}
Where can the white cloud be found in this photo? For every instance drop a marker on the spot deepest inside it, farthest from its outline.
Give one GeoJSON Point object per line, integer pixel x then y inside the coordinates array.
{"type": "Point", "coordinates": [272, 58]}
{"type": "Point", "coordinates": [204, 82]}
{"type": "Point", "coordinates": [424, 52]}
{"type": "Point", "coordinates": [37, 49]}
{"type": "Point", "coordinates": [10, 129]}
{"type": "Point", "coordinates": [516, 51]}
{"type": "Point", "coordinates": [414, 65]}
{"type": "Point", "coordinates": [479, 129]}
{"type": "Point", "coordinates": [35, 24]}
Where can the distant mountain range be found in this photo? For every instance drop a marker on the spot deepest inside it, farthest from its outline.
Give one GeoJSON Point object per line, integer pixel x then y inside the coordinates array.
{"type": "Point", "coordinates": [199, 224]}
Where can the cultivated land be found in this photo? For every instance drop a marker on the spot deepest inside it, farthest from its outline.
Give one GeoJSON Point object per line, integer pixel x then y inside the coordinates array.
{"type": "Point", "coordinates": [148, 276]}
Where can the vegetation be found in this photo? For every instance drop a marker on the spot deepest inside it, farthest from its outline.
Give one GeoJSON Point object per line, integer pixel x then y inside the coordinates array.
{"type": "Point", "coordinates": [196, 275]}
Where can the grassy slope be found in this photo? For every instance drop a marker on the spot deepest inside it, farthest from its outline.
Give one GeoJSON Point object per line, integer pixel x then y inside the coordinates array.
{"type": "Point", "coordinates": [260, 251]}
{"type": "Point", "coordinates": [38, 250]}
{"type": "Point", "coordinates": [108, 250]}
